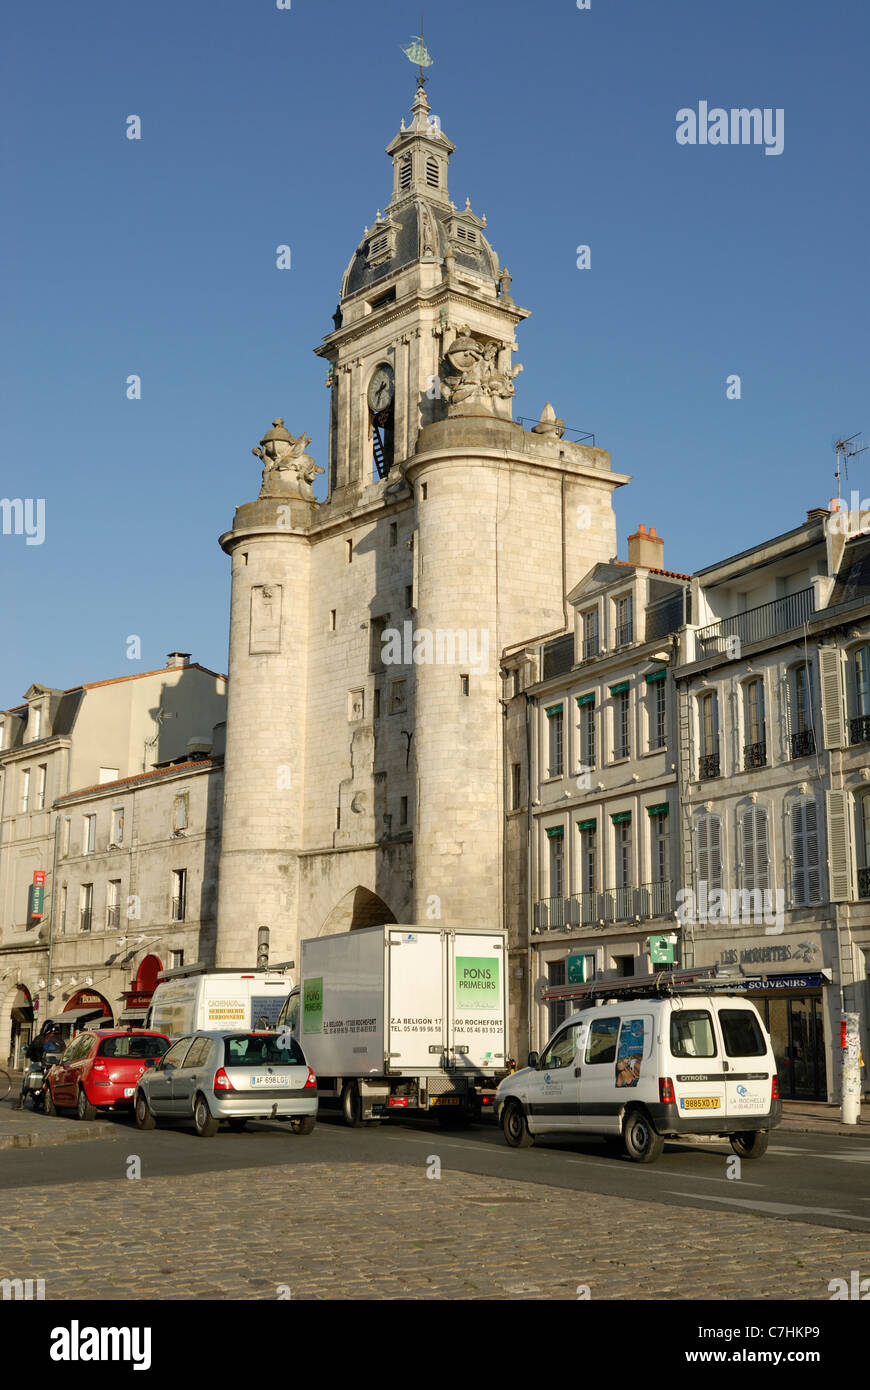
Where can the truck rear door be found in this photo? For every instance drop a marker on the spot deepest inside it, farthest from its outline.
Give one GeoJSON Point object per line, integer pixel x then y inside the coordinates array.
{"type": "Point", "coordinates": [476, 997]}
{"type": "Point", "coordinates": [415, 972]}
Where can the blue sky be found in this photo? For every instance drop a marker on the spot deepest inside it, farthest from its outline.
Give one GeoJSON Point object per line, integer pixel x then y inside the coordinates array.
{"type": "Point", "coordinates": [263, 126]}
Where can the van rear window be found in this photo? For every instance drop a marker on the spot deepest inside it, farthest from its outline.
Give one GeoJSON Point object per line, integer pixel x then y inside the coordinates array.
{"type": "Point", "coordinates": [742, 1035]}
{"type": "Point", "coordinates": [692, 1034]}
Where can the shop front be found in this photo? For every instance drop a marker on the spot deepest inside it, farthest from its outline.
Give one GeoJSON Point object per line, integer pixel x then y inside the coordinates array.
{"type": "Point", "coordinates": [138, 997]}
{"type": "Point", "coordinates": [21, 1030]}
{"type": "Point", "coordinates": [84, 1009]}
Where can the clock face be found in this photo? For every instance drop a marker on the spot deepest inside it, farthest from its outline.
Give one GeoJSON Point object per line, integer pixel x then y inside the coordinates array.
{"type": "Point", "coordinates": [381, 388]}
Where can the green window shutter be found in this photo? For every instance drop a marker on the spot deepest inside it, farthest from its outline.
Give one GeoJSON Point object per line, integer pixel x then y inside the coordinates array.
{"type": "Point", "coordinates": [620, 817]}
{"type": "Point", "coordinates": [554, 831]}
{"type": "Point", "coordinates": [587, 824]}
{"type": "Point", "coordinates": [618, 689]}
{"type": "Point", "coordinates": [586, 699]}
{"type": "Point", "coordinates": [655, 676]}
{"type": "Point", "coordinates": [661, 809]}
{"type": "Point", "coordinates": [553, 709]}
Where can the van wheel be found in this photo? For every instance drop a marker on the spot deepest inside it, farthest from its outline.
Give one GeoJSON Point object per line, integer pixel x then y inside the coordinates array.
{"type": "Point", "coordinates": [351, 1106]}
{"type": "Point", "coordinates": [204, 1122]}
{"type": "Point", "coordinates": [144, 1118]}
{"type": "Point", "coordinates": [304, 1124]}
{"type": "Point", "coordinates": [749, 1145]}
{"type": "Point", "coordinates": [642, 1143]}
{"type": "Point", "coordinates": [84, 1109]}
{"type": "Point", "coordinates": [515, 1127]}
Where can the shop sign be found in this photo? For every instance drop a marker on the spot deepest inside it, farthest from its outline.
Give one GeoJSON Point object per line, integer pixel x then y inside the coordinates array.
{"type": "Point", "coordinates": [805, 951]}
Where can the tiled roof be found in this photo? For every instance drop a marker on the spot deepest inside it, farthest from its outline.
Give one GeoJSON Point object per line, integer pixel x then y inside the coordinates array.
{"type": "Point", "coordinates": [141, 777]}
{"type": "Point", "coordinates": [671, 574]}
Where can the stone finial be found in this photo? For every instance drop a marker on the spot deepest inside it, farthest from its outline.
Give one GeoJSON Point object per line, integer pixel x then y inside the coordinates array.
{"type": "Point", "coordinates": [505, 284]}
{"type": "Point", "coordinates": [288, 471]}
{"type": "Point", "coordinates": [550, 423]}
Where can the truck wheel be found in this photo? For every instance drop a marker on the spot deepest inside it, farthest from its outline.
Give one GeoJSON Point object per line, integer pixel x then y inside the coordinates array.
{"type": "Point", "coordinates": [351, 1105]}
{"type": "Point", "coordinates": [304, 1124]}
{"type": "Point", "coordinates": [144, 1118]}
{"type": "Point", "coordinates": [515, 1128]}
{"type": "Point", "coordinates": [204, 1122]}
{"type": "Point", "coordinates": [750, 1145]}
{"type": "Point", "coordinates": [642, 1143]}
{"type": "Point", "coordinates": [84, 1109]}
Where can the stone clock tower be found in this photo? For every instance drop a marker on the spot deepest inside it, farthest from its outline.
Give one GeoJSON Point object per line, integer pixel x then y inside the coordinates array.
{"type": "Point", "coordinates": [364, 727]}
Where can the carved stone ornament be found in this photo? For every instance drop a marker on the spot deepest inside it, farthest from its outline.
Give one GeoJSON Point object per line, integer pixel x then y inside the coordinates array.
{"type": "Point", "coordinates": [287, 470]}
{"type": "Point", "coordinates": [550, 423]}
{"type": "Point", "coordinates": [477, 387]}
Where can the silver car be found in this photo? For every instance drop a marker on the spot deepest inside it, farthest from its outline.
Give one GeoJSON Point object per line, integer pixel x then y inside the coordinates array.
{"type": "Point", "coordinates": [210, 1077]}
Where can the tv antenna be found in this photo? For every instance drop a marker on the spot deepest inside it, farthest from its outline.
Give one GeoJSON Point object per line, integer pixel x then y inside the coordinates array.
{"type": "Point", "coordinates": [844, 452]}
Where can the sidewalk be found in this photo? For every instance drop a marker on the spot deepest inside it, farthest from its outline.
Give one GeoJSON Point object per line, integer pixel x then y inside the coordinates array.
{"type": "Point", "coordinates": [24, 1129]}
{"type": "Point", "coordinates": [816, 1117]}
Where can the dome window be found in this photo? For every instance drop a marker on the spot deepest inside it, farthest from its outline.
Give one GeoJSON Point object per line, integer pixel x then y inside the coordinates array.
{"type": "Point", "coordinates": [467, 235]}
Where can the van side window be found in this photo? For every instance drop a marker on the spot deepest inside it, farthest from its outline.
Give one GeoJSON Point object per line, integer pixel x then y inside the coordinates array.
{"type": "Point", "coordinates": [692, 1034]}
{"type": "Point", "coordinates": [601, 1046]}
{"type": "Point", "coordinates": [561, 1051]}
{"type": "Point", "coordinates": [741, 1033]}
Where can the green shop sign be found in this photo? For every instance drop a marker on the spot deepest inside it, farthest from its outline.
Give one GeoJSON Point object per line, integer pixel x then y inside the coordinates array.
{"type": "Point", "coordinates": [661, 950]}
{"type": "Point", "coordinates": [312, 1005]}
{"type": "Point", "coordinates": [575, 971]}
{"type": "Point", "coordinates": [477, 983]}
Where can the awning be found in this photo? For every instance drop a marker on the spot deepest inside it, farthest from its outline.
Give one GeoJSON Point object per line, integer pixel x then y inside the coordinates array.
{"type": "Point", "coordinates": [132, 1015]}
{"type": "Point", "coordinates": [24, 1015]}
{"type": "Point", "coordinates": [76, 1015]}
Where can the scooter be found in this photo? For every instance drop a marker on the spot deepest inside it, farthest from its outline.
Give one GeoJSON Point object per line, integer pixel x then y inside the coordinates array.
{"type": "Point", "coordinates": [34, 1085]}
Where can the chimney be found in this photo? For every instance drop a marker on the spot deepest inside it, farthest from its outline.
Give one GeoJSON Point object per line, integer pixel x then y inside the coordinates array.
{"type": "Point", "coordinates": [177, 660]}
{"type": "Point", "coordinates": [647, 549]}
{"type": "Point", "coordinates": [816, 513]}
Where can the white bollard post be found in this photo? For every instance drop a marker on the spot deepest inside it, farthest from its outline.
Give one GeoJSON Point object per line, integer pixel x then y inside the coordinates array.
{"type": "Point", "coordinates": [850, 1053]}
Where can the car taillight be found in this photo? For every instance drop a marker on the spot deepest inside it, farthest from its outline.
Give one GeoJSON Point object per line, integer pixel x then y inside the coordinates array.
{"type": "Point", "coordinates": [666, 1091]}
{"type": "Point", "coordinates": [311, 1083]}
{"type": "Point", "coordinates": [774, 1087]}
{"type": "Point", "coordinates": [222, 1081]}
{"type": "Point", "coordinates": [99, 1066]}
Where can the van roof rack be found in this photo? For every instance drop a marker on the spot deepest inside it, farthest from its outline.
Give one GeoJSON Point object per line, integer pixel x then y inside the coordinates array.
{"type": "Point", "coordinates": [664, 982]}
{"type": "Point", "coordinates": [200, 968]}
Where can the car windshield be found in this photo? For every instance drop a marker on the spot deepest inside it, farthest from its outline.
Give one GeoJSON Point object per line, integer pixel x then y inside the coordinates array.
{"type": "Point", "coordinates": [133, 1045]}
{"type": "Point", "coordinates": [262, 1049]}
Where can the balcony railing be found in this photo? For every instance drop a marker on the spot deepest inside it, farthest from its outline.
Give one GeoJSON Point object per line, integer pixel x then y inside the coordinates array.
{"type": "Point", "coordinates": [624, 634]}
{"type": "Point", "coordinates": [864, 883]}
{"type": "Point", "coordinates": [708, 766]}
{"type": "Point", "coordinates": [859, 729]}
{"type": "Point", "coordinates": [612, 905]}
{"type": "Point", "coordinates": [756, 624]}
{"type": "Point", "coordinates": [590, 648]}
{"type": "Point", "coordinates": [754, 755]}
{"type": "Point", "coordinates": [802, 743]}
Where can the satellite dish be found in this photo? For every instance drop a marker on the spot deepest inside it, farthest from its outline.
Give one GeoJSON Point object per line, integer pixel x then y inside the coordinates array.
{"type": "Point", "coordinates": [541, 983]}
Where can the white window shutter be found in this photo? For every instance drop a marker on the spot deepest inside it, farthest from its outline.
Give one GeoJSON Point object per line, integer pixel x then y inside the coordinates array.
{"type": "Point", "coordinates": [702, 848]}
{"type": "Point", "coordinates": [814, 875]}
{"type": "Point", "coordinates": [833, 713]}
{"type": "Point", "coordinates": [762, 849]}
{"type": "Point", "coordinates": [797, 821]}
{"type": "Point", "coordinates": [747, 844]}
{"type": "Point", "coordinates": [839, 849]}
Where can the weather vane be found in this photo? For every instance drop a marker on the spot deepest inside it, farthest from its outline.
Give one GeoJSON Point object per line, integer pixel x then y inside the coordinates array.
{"type": "Point", "coordinates": [417, 52]}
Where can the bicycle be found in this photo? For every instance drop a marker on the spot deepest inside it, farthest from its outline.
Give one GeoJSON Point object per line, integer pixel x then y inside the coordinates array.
{"type": "Point", "coordinates": [5, 1083]}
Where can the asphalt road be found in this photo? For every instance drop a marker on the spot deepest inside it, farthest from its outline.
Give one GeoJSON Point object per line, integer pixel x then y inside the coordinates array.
{"type": "Point", "coordinates": [811, 1178]}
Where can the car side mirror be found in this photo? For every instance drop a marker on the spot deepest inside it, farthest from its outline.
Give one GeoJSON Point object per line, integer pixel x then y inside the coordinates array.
{"type": "Point", "coordinates": [533, 1059]}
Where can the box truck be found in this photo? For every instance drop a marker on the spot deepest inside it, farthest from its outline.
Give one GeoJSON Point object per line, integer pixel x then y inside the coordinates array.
{"type": "Point", "coordinates": [403, 1019]}
{"type": "Point", "coordinates": [194, 997]}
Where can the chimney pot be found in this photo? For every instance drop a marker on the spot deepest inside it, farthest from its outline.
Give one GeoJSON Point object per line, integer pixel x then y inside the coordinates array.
{"type": "Point", "coordinates": [646, 549]}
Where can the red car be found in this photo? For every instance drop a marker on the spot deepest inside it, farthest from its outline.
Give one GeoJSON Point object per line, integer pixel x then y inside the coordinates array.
{"type": "Point", "coordinates": [99, 1071]}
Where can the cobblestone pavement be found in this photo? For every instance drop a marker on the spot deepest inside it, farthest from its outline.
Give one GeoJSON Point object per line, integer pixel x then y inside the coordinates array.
{"type": "Point", "coordinates": [349, 1231]}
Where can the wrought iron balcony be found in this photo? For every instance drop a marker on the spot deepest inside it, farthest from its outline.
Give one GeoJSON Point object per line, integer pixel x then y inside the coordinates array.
{"type": "Point", "coordinates": [864, 883]}
{"type": "Point", "coordinates": [859, 729]}
{"type": "Point", "coordinates": [754, 755]}
{"type": "Point", "coordinates": [612, 905]}
{"type": "Point", "coordinates": [590, 648]}
{"type": "Point", "coordinates": [656, 899]}
{"type": "Point", "coordinates": [708, 766]}
{"type": "Point", "coordinates": [756, 624]}
{"type": "Point", "coordinates": [803, 743]}
{"type": "Point", "coordinates": [624, 634]}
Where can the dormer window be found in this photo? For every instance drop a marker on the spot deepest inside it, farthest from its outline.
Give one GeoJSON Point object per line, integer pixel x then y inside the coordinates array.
{"type": "Point", "coordinates": [433, 173]}
{"type": "Point", "coordinates": [35, 723]}
{"type": "Point", "coordinates": [381, 245]}
{"type": "Point", "coordinates": [377, 246]}
{"type": "Point", "coordinates": [466, 235]}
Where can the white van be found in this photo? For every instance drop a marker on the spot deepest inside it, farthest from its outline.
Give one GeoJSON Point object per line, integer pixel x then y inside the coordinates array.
{"type": "Point", "coordinates": [196, 997]}
{"type": "Point", "coordinates": [642, 1069]}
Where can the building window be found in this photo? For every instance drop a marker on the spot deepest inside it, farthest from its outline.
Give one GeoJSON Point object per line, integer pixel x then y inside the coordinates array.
{"type": "Point", "coordinates": [587, 731]}
{"type": "Point", "coordinates": [657, 711]}
{"type": "Point", "coordinates": [556, 844]}
{"type": "Point", "coordinates": [590, 633]}
{"type": "Point", "coordinates": [403, 811]}
{"type": "Point", "coordinates": [754, 849]}
{"type": "Point", "coordinates": [25, 790]}
{"type": "Point", "coordinates": [464, 687]}
{"type": "Point", "coordinates": [589, 868]}
{"type": "Point", "coordinates": [332, 620]}
{"type": "Point", "coordinates": [108, 774]}
{"type": "Point", "coordinates": [35, 723]}
{"type": "Point", "coordinates": [377, 704]}
{"type": "Point", "coordinates": [659, 847]}
{"type": "Point", "coordinates": [118, 825]}
{"type": "Point", "coordinates": [862, 843]}
{"type": "Point", "coordinates": [65, 836]}
{"type": "Point", "coordinates": [180, 812]}
{"type": "Point", "coordinates": [755, 747]}
{"type": "Point", "coordinates": [806, 886]}
{"type": "Point", "coordinates": [86, 906]}
{"type": "Point", "coordinates": [708, 735]}
{"type": "Point", "coordinates": [113, 904]}
{"type": "Point", "coordinates": [708, 852]}
{"type": "Point", "coordinates": [41, 778]}
{"type": "Point", "coordinates": [432, 173]}
{"type": "Point", "coordinates": [179, 894]}
{"type": "Point", "coordinates": [555, 740]}
{"type": "Point", "coordinates": [621, 729]}
{"type": "Point", "coordinates": [405, 173]}
{"type": "Point", "coordinates": [176, 960]}
{"type": "Point", "coordinates": [556, 1008]}
{"type": "Point", "coordinates": [516, 772]}
{"type": "Point", "coordinates": [89, 834]}
{"type": "Point", "coordinates": [394, 533]}
{"type": "Point", "coordinates": [424, 491]}
{"type": "Point", "coordinates": [61, 926]}
{"type": "Point", "coordinates": [348, 550]}
{"type": "Point", "coordinates": [803, 739]}
{"type": "Point", "coordinates": [409, 596]}
{"type": "Point", "coordinates": [624, 621]}
{"type": "Point", "coordinates": [859, 669]}
{"type": "Point", "coordinates": [624, 895]}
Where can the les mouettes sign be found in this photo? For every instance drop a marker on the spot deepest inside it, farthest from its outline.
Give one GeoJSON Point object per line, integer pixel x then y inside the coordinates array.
{"type": "Point", "coordinates": [805, 951]}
